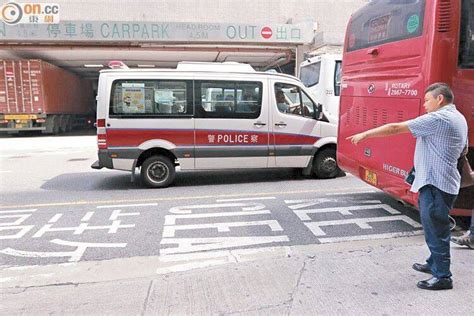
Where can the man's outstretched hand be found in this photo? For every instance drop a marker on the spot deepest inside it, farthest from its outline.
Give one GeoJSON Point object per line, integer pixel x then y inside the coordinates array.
{"type": "Point", "coordinates": [355, 139]}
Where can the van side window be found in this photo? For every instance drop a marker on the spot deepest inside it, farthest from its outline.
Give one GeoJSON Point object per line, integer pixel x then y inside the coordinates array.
{"type": "Point", "coordinates": [466, 43]}
{"type": "Point", "coordinates": [151, 98]}
{"type": "Point", "coordinates": [337, 78]}
{"type": "Point", "coordinates": [291, 99]}
{"type": "Point", "coordinates": [228, 99]}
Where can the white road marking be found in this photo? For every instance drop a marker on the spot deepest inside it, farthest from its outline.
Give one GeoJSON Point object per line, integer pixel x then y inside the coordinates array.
{"type": "Point", "coordinates": [75, 255]}
{"type": "Point", "coordinates": [113, 228]}
{"type": "Point", "coordinates": [363, 223]}
{"type": "Point", "coordinates": [183, 198]}
{"type": "Point", "coordinates": [169, 231]}
{"type": "Point", "coordinates": [204, 244]}
{"type": "Point", "coordinates": [346, 210]}
{"type": "Point", "coordinates": [18, 211]}
{"type": "Point", "coordinates": [373, 236]}
{"type": "Point", "coordinates": [23, 230]}
{"type": "Point", "coordinates": [87, 217]}
{"type": "Point", "coordinates": [356, 192]}
{"type": "Point", "coordinates": [247, 199]}
{"type": "Point", "coordinates": [171, 219]}
{"type": "Point", "coordinates": [118, 213]}
{"type": "Point", "coordinates": [20, 219]}
{"type": "Point", "coordinates": [55, 218]}
{"type": "Point", "coordinates": [189, 209]}
{"type": "Point", "coordinates": [127, 205]}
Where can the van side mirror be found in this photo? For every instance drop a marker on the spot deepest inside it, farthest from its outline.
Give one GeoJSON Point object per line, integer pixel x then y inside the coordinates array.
{"type": "Point", "coordinates": [318, 111]}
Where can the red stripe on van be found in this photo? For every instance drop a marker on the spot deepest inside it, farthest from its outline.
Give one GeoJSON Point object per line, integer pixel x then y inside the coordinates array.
{"type": "Point", "coordinates": [135, 137]}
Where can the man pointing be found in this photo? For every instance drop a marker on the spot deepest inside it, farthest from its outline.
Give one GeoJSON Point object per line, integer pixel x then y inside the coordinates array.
{"type": "Point", "coordinates": [441, 135]}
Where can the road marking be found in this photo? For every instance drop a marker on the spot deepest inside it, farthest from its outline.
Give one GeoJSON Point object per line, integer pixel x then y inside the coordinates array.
{"type": "Point", "coordinates": [78, 230]}
{"type": "Point", "coordinates": [127, 205]}
{"type": "Point", "coordinates": [200, 197]}
{"type": "Point", "coordinates": [171, 219]}
{"type": "Point", "coordinates": [55, 218]}
{"type": "Point", "coordinates": [75, 255]}
{"type": "Point", "coordinates": [363, 223]}
{"type": "Point", "coordinates": [87, 217]}
{"type": "Point", "coordinates": [17, 211]}
{"type": "Point", "coordinates": [248, 199]}
{"type": "Point", "coordinates": [359, 192]}
{"type": "Point", "coordinates": [20, 219]}
{"type": "Point", "coordinates": [23, 230]}
{"type": "Point", "coordinates": [373, 236]}
{"type": "Point", "coordinates": [303, 214]}
{"type": "Point", "coordinates": [169, 231]}
{"type": "Point", "coordinates": [118, 213]}
{"type": "Point", "coordinates": [203, 244]}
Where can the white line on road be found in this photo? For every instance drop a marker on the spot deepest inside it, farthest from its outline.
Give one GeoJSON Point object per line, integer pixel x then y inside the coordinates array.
{"type": "Point", "coordinates": [357, 192]}
{"type": "Point", "coordinates": [346, 190]}
{"type": "Point", "coordinates": [363, 223]}
{"type": "Point", "coordinates": [171, 219]}
{"type": "Point", "coordinates": [169, 231]}
{"type": "Point", "coordinates": [247, 199]}
{"type": "Point", "coordinates": [346, 210]}
{"type": "Point", "coordinates": [127, 205]}
{"type": "Point", "coordinates": [87, 217]}
{"type": "Point", "coordinates": [55, 218]}
{"type": "Point", "coordinates": [18, 211]}
{"type": "Point", "coordinates": [373, 236]}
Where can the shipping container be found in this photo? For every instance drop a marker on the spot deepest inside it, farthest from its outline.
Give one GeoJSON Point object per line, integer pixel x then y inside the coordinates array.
{"type": "Point", "coordinates": [38, 96]}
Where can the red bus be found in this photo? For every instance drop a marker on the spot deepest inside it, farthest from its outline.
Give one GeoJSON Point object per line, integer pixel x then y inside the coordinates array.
{"type": "Point", "coordinates": [393, 50]}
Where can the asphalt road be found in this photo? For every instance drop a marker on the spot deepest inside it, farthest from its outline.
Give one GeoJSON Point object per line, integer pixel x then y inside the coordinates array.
{"type": "Point", "coordinates": [56, 209]}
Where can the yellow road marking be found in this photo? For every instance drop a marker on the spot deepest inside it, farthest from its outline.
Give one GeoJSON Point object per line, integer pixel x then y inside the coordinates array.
{"type": "Point", "coordinates": [349, 190]}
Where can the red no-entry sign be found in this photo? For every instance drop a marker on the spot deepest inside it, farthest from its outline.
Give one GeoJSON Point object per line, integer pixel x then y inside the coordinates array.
{"type": "Point", "coordinates": [266, 32]}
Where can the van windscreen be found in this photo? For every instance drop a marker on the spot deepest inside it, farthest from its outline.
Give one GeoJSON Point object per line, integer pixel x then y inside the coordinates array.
{"type": "Point", "coordinates": [309, 74]}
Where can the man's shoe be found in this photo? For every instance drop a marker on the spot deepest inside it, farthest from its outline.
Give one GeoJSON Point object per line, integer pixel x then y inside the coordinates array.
{"type": "Point", "coordinates": [436, 284]}
{"type": "Point", "coordinates": [425, 268]}
{"type": "Point", "coordinates": [464, 240]}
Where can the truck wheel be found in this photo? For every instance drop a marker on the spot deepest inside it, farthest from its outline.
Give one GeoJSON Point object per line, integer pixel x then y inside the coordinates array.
{"type": "Point", "coordinates": [325, 164]}
{"type": "Point", "coordinates": [158, 172]}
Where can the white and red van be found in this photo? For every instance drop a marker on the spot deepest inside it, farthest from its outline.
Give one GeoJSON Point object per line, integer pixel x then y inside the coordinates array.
{"type": "Point", "coordinates": [210, 116]}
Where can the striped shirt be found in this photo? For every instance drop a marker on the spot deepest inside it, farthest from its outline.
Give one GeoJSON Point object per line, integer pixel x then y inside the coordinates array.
{"type": "Point", "coordinates": [440, 139]}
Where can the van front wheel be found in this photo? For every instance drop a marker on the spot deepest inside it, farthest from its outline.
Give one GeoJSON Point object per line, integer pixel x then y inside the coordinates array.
{"type": "Point", "coordinates": [325, 164]}
{"type": "Point", "coordinates": [158, 172]}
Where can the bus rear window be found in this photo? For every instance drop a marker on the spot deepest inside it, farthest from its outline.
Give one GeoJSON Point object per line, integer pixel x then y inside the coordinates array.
{"type": "Point", "coordinates": [385, 21]}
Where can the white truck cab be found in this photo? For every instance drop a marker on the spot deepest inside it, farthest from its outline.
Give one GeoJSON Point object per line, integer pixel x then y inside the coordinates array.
{"type": "Point", "coordinates": [210, 116]}
{"type": "Point", "coordinates": [322, 76]}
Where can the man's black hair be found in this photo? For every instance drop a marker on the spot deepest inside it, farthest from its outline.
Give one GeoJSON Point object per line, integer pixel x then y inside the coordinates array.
{"type": "Point", "coordinates": [441, 88]}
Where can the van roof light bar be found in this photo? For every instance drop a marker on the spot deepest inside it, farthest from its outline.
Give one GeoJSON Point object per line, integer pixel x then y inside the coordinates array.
{"type": "Point", "coordinates": [117, 64]}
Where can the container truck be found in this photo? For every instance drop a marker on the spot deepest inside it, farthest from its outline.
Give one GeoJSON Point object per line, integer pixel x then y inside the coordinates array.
{"type": "Point", "coordinates": [38, 96]}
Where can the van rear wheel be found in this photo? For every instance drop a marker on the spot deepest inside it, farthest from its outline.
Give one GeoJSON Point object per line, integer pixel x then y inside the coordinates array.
{"type": "Point", "coordinates": [157, 172]}
{"type": "Point", "coordinates": [325, 164]}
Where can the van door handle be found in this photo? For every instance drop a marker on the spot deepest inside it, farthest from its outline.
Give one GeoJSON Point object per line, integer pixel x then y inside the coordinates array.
{"type": "Point", "coordinates": [259, 124]}
{"type": "Point", "coordinates": [280, 124]}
